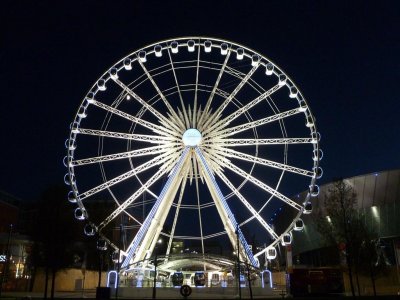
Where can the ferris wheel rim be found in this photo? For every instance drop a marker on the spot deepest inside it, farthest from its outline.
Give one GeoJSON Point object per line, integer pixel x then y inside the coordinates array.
{"type": "Point", "coordinates": [315, 145]}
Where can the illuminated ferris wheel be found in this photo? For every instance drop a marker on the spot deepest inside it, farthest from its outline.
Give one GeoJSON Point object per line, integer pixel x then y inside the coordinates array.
{"type": "Point", "coordinates": [192, 139]}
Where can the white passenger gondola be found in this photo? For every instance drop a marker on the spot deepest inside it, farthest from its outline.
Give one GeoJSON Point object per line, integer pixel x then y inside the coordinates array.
{"type": "Point", "coordinates": [142, 56]}
{"type": "Point", "coordinates": [298, 225]}
{"type": "Point", "coordinates": [239, 53]}
{"type": "Point", "coordinates": [271, 253]}
{"type": "Point", "coordinates": [158, 50]}
{"type": "Point", "coordinates": [307, 208]}
{"type": "Point", "coordinates": [101, 85]}
{"type": "Point", "coordinates": [207, 46]}
{"type": "Point", "coordinates": [127, 64]}
{"type": "Point", "coordinates": [174, 47]}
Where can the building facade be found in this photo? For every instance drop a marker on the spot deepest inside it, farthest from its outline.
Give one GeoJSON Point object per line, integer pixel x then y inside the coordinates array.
{"type": "Point", "coordinates": [14, 247]}
{"type": "Point", "coordinates": [378, 200]}
{"type": "Point", "coordinates": [378, 204]}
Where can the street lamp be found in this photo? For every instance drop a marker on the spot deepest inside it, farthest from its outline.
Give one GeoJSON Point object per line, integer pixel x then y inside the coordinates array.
{"type": "Point", "coordinates": [121, 227]}
{"type": "Point", "coordinates": [159, 242]}
{"type": "Point", "coordinates": [238, 259]}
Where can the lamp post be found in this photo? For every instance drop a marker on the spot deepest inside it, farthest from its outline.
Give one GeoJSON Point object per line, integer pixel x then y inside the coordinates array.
{"type": "Point", "coordinates": [5, 271]}
{"type": "Point", "coordinates": [238, 260]}
{"type": "Point", "coordinates": [155, 268]}
{"type": "Point", "coordinates": [121, 227]}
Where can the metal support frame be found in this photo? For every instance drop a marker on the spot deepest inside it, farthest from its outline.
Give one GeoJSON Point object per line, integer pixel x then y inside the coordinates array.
{"type": "Point", "coordinates": [160, 145]}
{"type": "Point", "coordinates": [145, 239]}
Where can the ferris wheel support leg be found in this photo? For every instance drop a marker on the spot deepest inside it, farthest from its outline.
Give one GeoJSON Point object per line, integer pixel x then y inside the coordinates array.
{"type": "Point", "coordinates": [225, 213]}
{"type": "Point", "coordinates": [151, 227]}
{"type": "Point", "coordinates": [183, 185]}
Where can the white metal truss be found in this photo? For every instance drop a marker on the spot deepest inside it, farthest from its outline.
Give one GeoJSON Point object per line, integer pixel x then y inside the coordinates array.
{"type": "Point", "coordinates": [262, 185]}
{"type": "Point", "coordinates": [153, 139]}
{"type": "Point", "coordinates": [226, 121]}
{"type": "Point", "coordinates": [248, 205]}
{"type": "Point", "coordinates": [167, 123]}
{"type": "Point", "coordinates": [167, 104]}
{"type": "Point", "coordinates": [212, 94]}
{"type": "Point", "coordinates": [171, 237]}
{"type": "Point", "coordinates": [134, 153]}
{"type": "Point", "coordinates": [151, 163]}
{"type": "Point", "coordinates": [239, 128]}
{"type": "Point", "coordinates": [269, 163]}
{"type": "Point", "coordinates": [218, 112]}
{"type": "Point", "coordinates": [185, 116]}
{"type": "Point", "coordinates": [163, 170]}
{"type": "Point", "coordinates": [194, 120]}
{"type": "Point", "coordinates": [252, 142]}
{"type": "Point", "coordinates": [156, 128]}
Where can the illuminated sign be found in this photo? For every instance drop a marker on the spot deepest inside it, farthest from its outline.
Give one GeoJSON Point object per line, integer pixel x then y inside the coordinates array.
{"type": "Point", "coordinates": [3, 258]}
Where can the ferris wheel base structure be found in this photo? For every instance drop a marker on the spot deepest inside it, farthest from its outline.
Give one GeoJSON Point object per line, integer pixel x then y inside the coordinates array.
{"type": "Point", "coordinates": [187, 269]}
{"type": "Point", "coordinates": [215, 292]}
{"type": "Point", "coordinates": [192, 139]}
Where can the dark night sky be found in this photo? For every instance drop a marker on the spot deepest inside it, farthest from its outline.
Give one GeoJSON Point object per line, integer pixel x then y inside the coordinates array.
{"type": "Point", "coordinates": [344, 56]}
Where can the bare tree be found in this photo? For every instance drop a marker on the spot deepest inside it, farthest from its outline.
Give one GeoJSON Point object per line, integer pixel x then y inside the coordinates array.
{"type": "Point", "coordinates": [335, 221]}
{"type": "Point", "coordinates": [54, 232]}
{"type": "Point", "coordinates": [371, 256]}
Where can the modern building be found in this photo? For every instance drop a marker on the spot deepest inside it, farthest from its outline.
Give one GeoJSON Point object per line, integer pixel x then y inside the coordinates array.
{"type": "Point", "coordinates": [378, 199]}
{"type": "Point", "coordinates": [378, 202]}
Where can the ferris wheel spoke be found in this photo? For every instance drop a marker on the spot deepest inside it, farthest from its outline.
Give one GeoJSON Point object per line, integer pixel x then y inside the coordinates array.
{"type": "Point", "coordinates": [186, 118]}
{"type": "Point", "coordinates": [157, 129]}
{"type": "Point", "coordinates": [150, 108]}
{"type": "Point", "coordinates": [161, 172]}
{"type": "Point", "coordinates": [151, 163]}
{"type": "Point", "coordinates": [248, 205]}
{"type": "Point", "coordinates": [216, 156]}
{"type": "Point", "coordinates": [214, 117]}
{"type": "Point", "coordinates": [226, 121]}
{"type": "Point", "coordinates": [194, 120]}
{"type": "Point", "coordinates": [153, 139]}
{"type": "Point", "coordinates": [266, 162]}
{"type": "Point", "coordinates": [132, 198]}
{"type": "Point", "coordinates": [138, 204]}
{"type": "Point", "coordinates": [212, 94]}
{"type": "Point", "coordinates": [236, 129]}
{"type": "Point", "coordinates": [214, 235]}
{"type": "Point", "coordinates": [169, 107]}
{"type": "Point", "coordinates": [213, 162]}
{"type": "Point", "coordinates": [263, 186]}
{"type": "Point", "coordinates": [133, 218]}
{"type": "Point", "coordinates": [224, 211]}
{"type": "Point", "coordinates": [128, 154]}
{"type": "Point", "coordinates": [251, 142]}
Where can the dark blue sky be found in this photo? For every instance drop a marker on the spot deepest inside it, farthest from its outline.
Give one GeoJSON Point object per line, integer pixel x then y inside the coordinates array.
{"type": "Point", "coordinates": [344, 56]}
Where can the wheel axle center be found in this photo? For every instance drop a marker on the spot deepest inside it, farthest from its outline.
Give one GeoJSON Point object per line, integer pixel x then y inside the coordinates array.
{"type": "Point", "coordinates": [191, 137]}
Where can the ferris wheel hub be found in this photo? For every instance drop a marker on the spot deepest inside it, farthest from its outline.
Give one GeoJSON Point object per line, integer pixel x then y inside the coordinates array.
{"type": "Point", "coordinates": [191, 137]}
